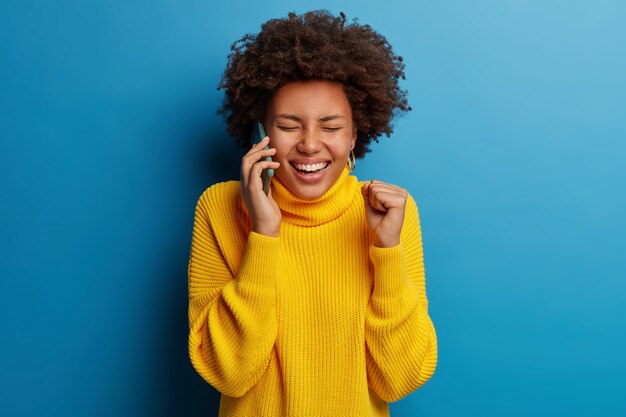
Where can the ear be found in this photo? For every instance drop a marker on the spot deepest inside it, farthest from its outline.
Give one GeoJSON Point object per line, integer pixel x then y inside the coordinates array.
{"type": "Point", "coordinates": [354, 134]}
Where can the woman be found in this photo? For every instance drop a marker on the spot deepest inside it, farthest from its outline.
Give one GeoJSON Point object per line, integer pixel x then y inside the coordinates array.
{"type": "Point", "coordinates": [310, 300]}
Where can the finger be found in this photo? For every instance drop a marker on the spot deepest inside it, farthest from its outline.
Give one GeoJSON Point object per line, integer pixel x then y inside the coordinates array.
{"type": "Point", "coordinates": [388, 188]}
{"type": "Point", "coordinates": [255, 173]}
{"type": "Point", "coordinates": [256, 148]}
{"type": "Point", "coordinates": [371, 196]}
{"type": "Point", "coordinates": [383, 200]}
{"type": "Point", "coordinates": [263, 164]}
{"type": "Point", "coordinates": [382, 196]}
{"type": "Point", "coordinates": [369, 210]}
{"type": "Point", "coordinates": [264, 142]}
{"type": "Point", "coordinates": [379, 185]}
{"type": "Point", "coordinates": [251, 158]}
{"type": "Point", "coordinates": [367, 193]}
{"type": "Point", "coordinates": [375, 202]}
{"type": "Point", "coordinates": [256, 154]}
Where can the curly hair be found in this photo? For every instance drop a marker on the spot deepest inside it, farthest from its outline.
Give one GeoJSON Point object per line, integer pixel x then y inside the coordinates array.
{"type": "Point", "coordinates": [314, 45]}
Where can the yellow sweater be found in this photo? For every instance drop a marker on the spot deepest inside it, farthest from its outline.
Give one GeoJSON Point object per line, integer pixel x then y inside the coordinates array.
{"type": "Point", "coordinates": [316, 322]}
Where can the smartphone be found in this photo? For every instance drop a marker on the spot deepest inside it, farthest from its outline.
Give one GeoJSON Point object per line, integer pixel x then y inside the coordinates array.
{"type": "Point", "coordinates": [258, 133]}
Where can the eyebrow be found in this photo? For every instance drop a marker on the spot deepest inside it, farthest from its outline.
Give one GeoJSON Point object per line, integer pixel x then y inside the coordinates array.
{"type": "Point", "coordinates": [321, 119]}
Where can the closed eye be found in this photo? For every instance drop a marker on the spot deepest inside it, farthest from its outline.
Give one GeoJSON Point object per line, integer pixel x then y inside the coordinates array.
{"type": "Point", "coordinates": [331, 129]}
{"type": "Point", "coordinates": [289, 128]}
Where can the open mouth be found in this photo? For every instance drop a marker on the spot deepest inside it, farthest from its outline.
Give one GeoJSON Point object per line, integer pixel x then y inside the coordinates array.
{"type": "Point", "coordinates": [310, 169]}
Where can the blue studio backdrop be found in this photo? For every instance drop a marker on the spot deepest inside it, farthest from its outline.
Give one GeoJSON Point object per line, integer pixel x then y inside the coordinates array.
{"type": "Point", "coordinates": [515, 153]}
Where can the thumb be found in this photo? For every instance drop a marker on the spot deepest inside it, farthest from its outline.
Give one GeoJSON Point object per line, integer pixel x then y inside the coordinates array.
{"type": "Point", "coordinates": [365, 190]}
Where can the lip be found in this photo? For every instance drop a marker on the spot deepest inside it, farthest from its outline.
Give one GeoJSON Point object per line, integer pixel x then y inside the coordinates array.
{"type": "Point", "coordinates": [308, 161]}
{"type": "Point", "coordinates": [309, 178]}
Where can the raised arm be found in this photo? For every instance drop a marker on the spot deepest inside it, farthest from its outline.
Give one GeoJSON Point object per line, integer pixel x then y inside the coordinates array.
{"type": "Point", "coordinates": [232, 307]}
{"type": "Point", "coordinates": [401, 344]}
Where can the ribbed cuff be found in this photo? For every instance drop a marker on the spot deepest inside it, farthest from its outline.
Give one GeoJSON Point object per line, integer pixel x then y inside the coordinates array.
{"type": "Point", "coordinates": [390, 277]}
{"type": "Point", "coordinates": [258, 266]}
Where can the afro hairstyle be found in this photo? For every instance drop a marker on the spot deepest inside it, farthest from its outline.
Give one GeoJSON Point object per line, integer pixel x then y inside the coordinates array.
{"type": "Point", "coordinates": [314, 45]}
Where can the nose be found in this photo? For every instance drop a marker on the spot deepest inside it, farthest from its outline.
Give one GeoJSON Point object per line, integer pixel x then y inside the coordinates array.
{"type": "Point", "coordinates": [310, 142]}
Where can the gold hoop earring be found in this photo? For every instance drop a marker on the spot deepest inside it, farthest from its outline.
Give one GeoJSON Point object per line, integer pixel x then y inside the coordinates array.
{"type": "Point", "coordinates": [351, 161]}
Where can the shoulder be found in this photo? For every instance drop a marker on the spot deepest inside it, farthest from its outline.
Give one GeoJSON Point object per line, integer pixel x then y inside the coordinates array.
{"type": "Point", "coordinates": [221, 190]}
{"type": "Point", "coordinates": [219, 198]}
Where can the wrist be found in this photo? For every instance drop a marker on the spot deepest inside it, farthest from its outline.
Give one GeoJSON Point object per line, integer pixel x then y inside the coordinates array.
{"type": "Point", "coordinates": [386, 244]}
{"type": "Point", "coordinates": [267, 231]}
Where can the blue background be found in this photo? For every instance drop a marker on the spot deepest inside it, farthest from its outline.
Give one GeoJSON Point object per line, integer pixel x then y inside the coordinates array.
{"type": "Point", "coordinates": [514, 153]}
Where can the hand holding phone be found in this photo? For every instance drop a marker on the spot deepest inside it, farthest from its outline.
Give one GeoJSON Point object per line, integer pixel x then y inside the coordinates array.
{"type": "Point", "coordinates": [257, 165]}
{"type": "Point", "coordinates": [258, 133]}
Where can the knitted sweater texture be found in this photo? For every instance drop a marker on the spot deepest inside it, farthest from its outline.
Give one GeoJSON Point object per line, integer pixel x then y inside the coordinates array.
{"type": "Point", "coordinates": [316, 322]}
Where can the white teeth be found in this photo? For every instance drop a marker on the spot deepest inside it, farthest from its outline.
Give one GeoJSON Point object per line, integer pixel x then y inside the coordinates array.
{"type": "Point", "coordinates": [312, 167]}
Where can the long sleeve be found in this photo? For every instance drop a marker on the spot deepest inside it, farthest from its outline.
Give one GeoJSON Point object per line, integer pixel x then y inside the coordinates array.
{"type": "Point", "coordinates": [232, 313]}
{"type": "Point", "coordinates": [400, 336]}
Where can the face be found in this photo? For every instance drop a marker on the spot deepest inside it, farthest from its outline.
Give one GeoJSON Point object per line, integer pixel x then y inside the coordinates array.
{"type": "Point", "coordinates": [310, 125]}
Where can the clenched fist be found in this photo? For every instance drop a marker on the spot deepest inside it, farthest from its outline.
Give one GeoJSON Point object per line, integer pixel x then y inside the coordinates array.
{"type": "Point", "coordinates": [384, 210]}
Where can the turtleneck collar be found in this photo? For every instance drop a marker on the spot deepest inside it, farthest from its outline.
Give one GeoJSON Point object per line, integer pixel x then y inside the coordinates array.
{"type": "Point", "coordinates": [329, 206]}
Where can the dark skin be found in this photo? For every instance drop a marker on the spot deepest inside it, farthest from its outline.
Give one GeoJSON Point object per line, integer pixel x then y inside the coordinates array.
{"type": "Point", "coordinates": [305, 136]}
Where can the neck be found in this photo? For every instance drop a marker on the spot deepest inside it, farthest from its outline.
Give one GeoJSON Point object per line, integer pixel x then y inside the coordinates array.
{"type": "Point", "coordinates": [329, 206]}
